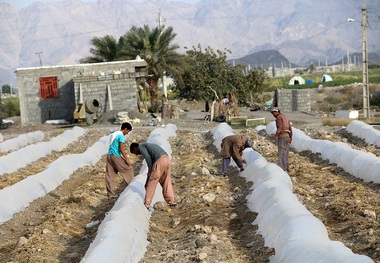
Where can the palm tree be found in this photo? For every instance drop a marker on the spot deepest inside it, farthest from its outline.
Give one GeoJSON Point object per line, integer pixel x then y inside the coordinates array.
{"type": "Point", "coordinates": [105, 49]}
{"type": "Point", "coordinates": [153, 45]}
{"type": "Point", "coordinates": [156, 48]}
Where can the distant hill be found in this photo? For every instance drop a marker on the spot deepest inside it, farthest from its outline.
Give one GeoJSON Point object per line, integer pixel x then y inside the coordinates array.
{"type": "Point", "coordinates": [273, 58]}
{"type": "Point", "coordinates": [265, 58]}
{"type": "Point", "coordinates": [59, 33]}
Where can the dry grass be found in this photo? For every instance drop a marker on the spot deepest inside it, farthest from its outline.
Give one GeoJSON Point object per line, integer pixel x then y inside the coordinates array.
{"type": "Point", "coordinates": [335, 121]}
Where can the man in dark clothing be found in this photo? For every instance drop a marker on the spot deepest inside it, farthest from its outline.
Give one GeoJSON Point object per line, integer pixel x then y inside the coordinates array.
{"type": "Point", "coordinates": [159, 171]}
{"type": "Point", "coordinates": [233, 146]}
{"type": "Point", "coordinates": [283, 135]}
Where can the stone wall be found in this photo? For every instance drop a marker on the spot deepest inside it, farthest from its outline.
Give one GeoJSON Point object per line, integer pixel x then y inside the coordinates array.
{"type": "Point", "coordinates": [294, 100]}
{"type": "Point", "coordinates": [94, 78]}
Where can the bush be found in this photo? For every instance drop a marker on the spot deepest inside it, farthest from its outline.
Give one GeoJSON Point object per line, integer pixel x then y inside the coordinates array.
{"type": "Point", "coordinates": [10, 107]}
{"type": "Point", "coordinates": [154, 108]}
{"type": "Point", "coordinates": [375, 99]}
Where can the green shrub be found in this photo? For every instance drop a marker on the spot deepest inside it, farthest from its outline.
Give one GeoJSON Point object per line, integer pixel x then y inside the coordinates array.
{"type": "Point", "coordinates": [10, 107]}
{"type": "Point", "coordinates": [154, 108]}
{"type": "Point", "coordinates": [375, 99]}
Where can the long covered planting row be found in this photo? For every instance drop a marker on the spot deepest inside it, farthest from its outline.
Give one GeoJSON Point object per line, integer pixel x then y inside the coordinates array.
{"type": "Point", "coordinates": [284, 222]}
{"type": "Point", "coordinates": [21, 141]}
{"type": "Point", "coordinates": [15, 160]}
{"type": "Point", "coordinates": [360, 164]}
{"type": "Point", "coordinates": [17, 197]}
{"type": "Point", "coordinates": [364, 131]}
{"type": "Point", "coordinates": [286, 225]}
{"type": "Point", "coordinates": [122, 236]}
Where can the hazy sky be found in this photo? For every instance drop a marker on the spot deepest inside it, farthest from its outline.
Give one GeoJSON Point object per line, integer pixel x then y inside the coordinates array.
{"type": "Point", "coordinates": [24, 3]}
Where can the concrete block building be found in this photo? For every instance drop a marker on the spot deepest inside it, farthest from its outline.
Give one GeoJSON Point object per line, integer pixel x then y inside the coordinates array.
{"type": "Point", "coordinates": [54, 92]}
{"type": "Point", "coordinates": [289, 100]}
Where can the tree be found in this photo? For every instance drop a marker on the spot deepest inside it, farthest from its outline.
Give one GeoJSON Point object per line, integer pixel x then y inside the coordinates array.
{"type": "Point", "coordinates": [10, 107]}
{"type": "Point", "coordinates": [6, 89]}
{"type": "Point", "coordinates": [209, 76]}
{"type": "Point", "coordinates": [153, 45]}
{"type": "Point", "coordinates": [105, 49]}
{"type": "Point", "coordinates": [256, 79]}
{"type": "Point", "coordinates": [205, 77]}
{"type": "Point", "coordinates": [156, 48]}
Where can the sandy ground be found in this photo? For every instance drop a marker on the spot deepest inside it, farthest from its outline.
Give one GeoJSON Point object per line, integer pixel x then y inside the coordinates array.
{"type": "Point", "coordinates": [53, 228]}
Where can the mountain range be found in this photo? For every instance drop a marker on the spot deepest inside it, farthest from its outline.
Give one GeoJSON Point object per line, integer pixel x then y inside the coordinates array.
{"type": "Point", "coordinates": [59, 33]}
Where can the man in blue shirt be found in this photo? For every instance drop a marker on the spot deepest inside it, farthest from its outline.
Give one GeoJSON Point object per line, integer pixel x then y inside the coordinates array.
{"type": "Point", "coordinates": [117, 160]}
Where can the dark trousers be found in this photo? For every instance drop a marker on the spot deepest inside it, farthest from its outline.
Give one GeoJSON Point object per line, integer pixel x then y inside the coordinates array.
{"type": "Point", "coordinates": [226, 162]}
{"type": "Point", "coordinates": [283, 153]}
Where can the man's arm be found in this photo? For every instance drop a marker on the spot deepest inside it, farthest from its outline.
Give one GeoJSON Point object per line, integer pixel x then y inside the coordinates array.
{"type": "Point", "coordinates": [144, 152]}
{"type": "Point", "coordinates": [278, 125]}
{"type": "Point", "coordinates": [123, 153]}
{"type": "Point", "coordinates": [237, 153]}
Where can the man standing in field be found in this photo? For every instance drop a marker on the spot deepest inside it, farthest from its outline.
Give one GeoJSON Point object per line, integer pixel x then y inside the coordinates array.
{"type": "Point", "coordinates": [117, 160]}
{"type": "Point", "coordinates": [159, 171]}
{"type": "Point", "coordinates": [283, 135]}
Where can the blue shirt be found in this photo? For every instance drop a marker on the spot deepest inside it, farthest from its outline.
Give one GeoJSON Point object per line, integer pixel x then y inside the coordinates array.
{"type": "Point", "coordinates": [115, 140]}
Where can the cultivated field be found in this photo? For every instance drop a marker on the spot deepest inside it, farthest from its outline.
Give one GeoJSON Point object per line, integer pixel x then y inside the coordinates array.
{"type": "Point", "coordinates": [53, 228]}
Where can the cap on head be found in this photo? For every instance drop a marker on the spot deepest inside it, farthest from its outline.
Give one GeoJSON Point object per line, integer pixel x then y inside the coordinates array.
{"type": "Point", "coordinates": [275, 109]}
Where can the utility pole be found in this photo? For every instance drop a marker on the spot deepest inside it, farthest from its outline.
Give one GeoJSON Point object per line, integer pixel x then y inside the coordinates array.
{"type": "Point", "coordinates": [366, 109]}
{"type": "Point", "coordinates": [39, 55]}
{"type": "Point", "coordinates": [159, 19]}
{"type": "Point", "coordinates": [160, 26]}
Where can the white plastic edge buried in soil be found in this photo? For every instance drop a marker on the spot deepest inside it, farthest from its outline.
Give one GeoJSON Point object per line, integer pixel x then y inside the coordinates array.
{"type": "Point", "coordinates": [363, 165]}
{"type": "Point", "coordinates": [285, 224]}
{"type": "Point", "coordinates": [17, 197]}
{"type": "Point", "coordinates": [15, 160]}
{"type": "Point", "coordinates": [122, 236]}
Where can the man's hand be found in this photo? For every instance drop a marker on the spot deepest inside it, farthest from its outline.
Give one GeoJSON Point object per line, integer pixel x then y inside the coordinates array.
{"type": "Point", "coordinates": [244, 161]}
{"type": "Point", "coordinates": [147, 179]}
{"type": "Point", "coordinates": [290, 140]}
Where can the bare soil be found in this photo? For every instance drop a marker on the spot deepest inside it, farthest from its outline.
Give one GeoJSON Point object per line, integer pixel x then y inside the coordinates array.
{"type": "Point", "coordinates": [53, 228]}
